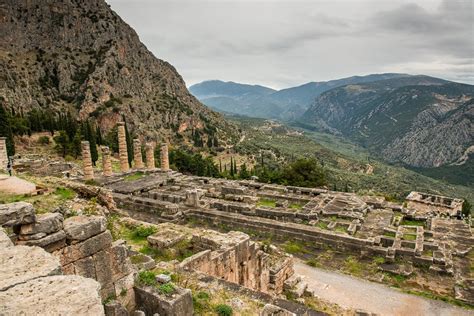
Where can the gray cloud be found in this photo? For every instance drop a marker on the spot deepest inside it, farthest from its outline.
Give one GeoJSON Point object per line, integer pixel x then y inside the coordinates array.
{"type": "Point", "coordinates": [281, 43]}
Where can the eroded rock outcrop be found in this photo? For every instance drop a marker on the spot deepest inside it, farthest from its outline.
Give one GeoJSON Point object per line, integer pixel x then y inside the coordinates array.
{"type": "Point", "coordinates": [31, 283]}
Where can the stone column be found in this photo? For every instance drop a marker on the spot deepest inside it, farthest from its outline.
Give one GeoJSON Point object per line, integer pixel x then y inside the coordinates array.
{"type": "Point", "coordinates": [106, 163]}
{"type": "Point", "coordinates": [87, 161]}
{"type": "Point", "coordinates": [3, 153]}
{"type": "Point", "coordinates": [137, 154]}
{"type": "Point", "coordinates": [150, 156]}
{"type": "Point", "coordinates": [122, 140]}
{"type": "Point", "coordinates": [165, 164]}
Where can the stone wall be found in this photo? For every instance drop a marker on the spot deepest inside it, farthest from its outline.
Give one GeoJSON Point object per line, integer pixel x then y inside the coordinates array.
{"type": "Point", "coordinates": [233, 257]}
{"type": "Point", "coordinates": [82, 245]}
{"type": "Point", "coordinates": [31, 283]}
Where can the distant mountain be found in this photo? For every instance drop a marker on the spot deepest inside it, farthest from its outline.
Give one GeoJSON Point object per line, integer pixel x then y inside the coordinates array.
{"type": "Point", "coordinates": [419, 121]}
{"type": "Point", "coordinates": [81, 57]}
{"type": "Point", "coordinates": [263, 102]}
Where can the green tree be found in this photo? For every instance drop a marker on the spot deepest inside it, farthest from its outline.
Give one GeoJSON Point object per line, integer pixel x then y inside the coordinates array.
{"type": "Point", "coordinates": [304, 173]}
{"type": "Point", "coordinates": [6, 130]}
{"type": "Point", "coordinates": [231, 167]}
{"type": "Point", "coordinates": [244, 174]}
{"type": "Point", "coordinates": [466, 208]}
{"type": "Point", "coordinates": [62, 143]}
{"type": "Point", "coordinates": [76, 145]}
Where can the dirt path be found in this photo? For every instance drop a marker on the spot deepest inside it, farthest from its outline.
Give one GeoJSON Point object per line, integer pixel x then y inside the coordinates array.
{"type": "Point", "coordinates": [350, 292]}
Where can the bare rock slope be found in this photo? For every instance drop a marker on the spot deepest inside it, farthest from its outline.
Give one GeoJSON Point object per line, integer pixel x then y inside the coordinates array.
{"type": "Point", "coordinates": [79, 55]}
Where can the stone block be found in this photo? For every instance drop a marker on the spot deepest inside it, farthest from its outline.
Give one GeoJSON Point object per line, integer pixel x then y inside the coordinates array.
{"type": "Point", "coordinates": [32, 237]}
{"type": "Point", "coordinates": [121, 264]}
{"type": "Point", "coordinates": [114, 308]}
{"type": "Point", "coordinates": [53, 295]}
{"type": "Point", "coordinates": [124, 291]}
{"type": "Point", "coordinates": [103, 267]}
{"type": "Point", "coordinates": [165, 238]}
{"type": "Point", "coordinates": [45, 223]}
{"type": "Point", "coordinates": [272, 310]}
{"type": "Point", "coordinates": [50, 243]}
{"type": "Point", "coordinates": [163, 278]}
{"type": "Point", "coordinates": [19, 213]}
{"type": "Point", "coordinates": [80, 228]}
{"type": "Point", "coordinates": [5, 241]}
{"type": "Point", "coordinates": [85, 249]}
{"type": "Point", "coordinates": [21, 263]}
{"type": "Point", "coordinates": [85, 267]}
{"type": "Point", "coordinates": [177, 304]}
{"type": "Point", "coordinates": [69, 269]}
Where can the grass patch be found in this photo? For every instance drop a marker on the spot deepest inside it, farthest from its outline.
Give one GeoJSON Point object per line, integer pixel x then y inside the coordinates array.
{"type": "Point", "coordinates": [428, 253]}
{"type": "Point", "coordinates": [166, 288]}
{"type": "Point", "coordinates": [223, 310]}
{"type": "Point", "coordinates": [353, 266]}
{"type": "Point", "coordinates": [143, 231]}
{"type": "Point", "coordinates": [389, 234]}
{"type": "Point", "coordinates": [133, 177]}
{"type": "Point", "coordinates": [379, 260]}
{"type": "Point", "coordinates": [147, 278]}
{"type": "Point", "coordinates": [340, 229]}
{"type": "Point", "coordinates": [296, 206]}
{"type": "Point", "coordinates": [412, 222]}
{"type": "Point", "coordinates": [294, 247]}
{"type": "Point", "coordinates": [266, 203]}
{"type": "Point", "coordinates": [313, 263]}
{"type": "Point", "coordinates": [409, 237]}
{"type": "Point", "coordinates": [322, 225]}
{"type": "Point", "coordinates": [396, 280]}
{"type": "Point", "coordinates": [65, 193]}
{"type": "Point", "coordinates": [180, 251]}
{"type": "Point", "coordinates": [433, 296]}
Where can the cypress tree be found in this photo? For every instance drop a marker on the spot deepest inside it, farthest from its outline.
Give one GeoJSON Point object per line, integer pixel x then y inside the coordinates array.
{"type": "Point", "coordinates": [76, 144]}
{"type": "Point", "coordinates": [129, 143]}
{"type": "Point", "coordinates": [98, 133]}
{"type": "Point", "coordinates": [6, 130]}
{"type": "Point", "coordinates": [231, 167]}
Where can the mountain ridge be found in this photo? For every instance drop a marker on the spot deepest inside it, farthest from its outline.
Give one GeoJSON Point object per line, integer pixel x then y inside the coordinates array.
{"type": "Point", "coordinates": [80, 56]}
{"type": "Point", "coordinates": [285, 104]}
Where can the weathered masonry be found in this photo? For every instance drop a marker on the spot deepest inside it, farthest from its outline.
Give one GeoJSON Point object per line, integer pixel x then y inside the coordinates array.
{"type": "Point", "coordinates": [320, 218]}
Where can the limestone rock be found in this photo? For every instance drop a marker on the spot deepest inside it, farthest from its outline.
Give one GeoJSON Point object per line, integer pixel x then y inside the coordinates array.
{"type": "Point", "coordinates": [84, 249]}
{"type": "Point", "coordinates": [122, 72]}
{"type": "Point", "coordinates": [50, 243]}
{"type": "Point", "coordinates": [45, 223]}
{"type": "Point", "coordinates": [5, 241]}
{"type": "Point", "coordinates": [17, 213]}
{"type": "Point", "coordinates": [114, 308]}
{"type": "Point", "coordinates": [79, 228]}
{"type": "Point", "coordinates": [53, 295]}
{"type": "Point", "coordinates": [20, 264]}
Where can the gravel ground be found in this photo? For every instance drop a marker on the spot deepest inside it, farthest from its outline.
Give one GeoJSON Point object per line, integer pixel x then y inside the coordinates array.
{"type": "Point", "coordinates": [350, 292]}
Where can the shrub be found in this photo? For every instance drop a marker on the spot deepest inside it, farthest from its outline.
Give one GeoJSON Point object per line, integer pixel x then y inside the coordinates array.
{"type": "Point", "coordinates": [223, 310]}
{"type": "Point", "coordinates": [44, 140]}
{"type": "Point", "coordinates": [147, 278]}
{"type": "Point", "coordinates": [167, 288]}
{"type": "Point", "coordinates": [143, 231]}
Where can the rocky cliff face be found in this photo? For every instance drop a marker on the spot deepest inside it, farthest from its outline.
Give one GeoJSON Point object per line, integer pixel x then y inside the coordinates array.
{"type": "Point", "coordinates": [419, 121]}
{"type": "Point", "coordinates": [79, 55]}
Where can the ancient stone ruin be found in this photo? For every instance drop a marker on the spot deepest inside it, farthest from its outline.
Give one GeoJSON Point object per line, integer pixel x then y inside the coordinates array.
{"type": "Point", "coordinates": [122, 142]}
{"type": "Point", "coordinates": [3, 153]}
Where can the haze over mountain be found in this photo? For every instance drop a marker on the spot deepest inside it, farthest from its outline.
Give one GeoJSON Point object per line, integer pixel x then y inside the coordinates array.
{"type": "Point", "coordinates": [80, 56]}
{"type": "Point", "coordinates": [263, 102]}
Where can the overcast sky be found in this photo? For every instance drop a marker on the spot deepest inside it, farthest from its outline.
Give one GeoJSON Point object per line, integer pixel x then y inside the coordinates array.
{"type": "Point", "coordinates": [283, 43]}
